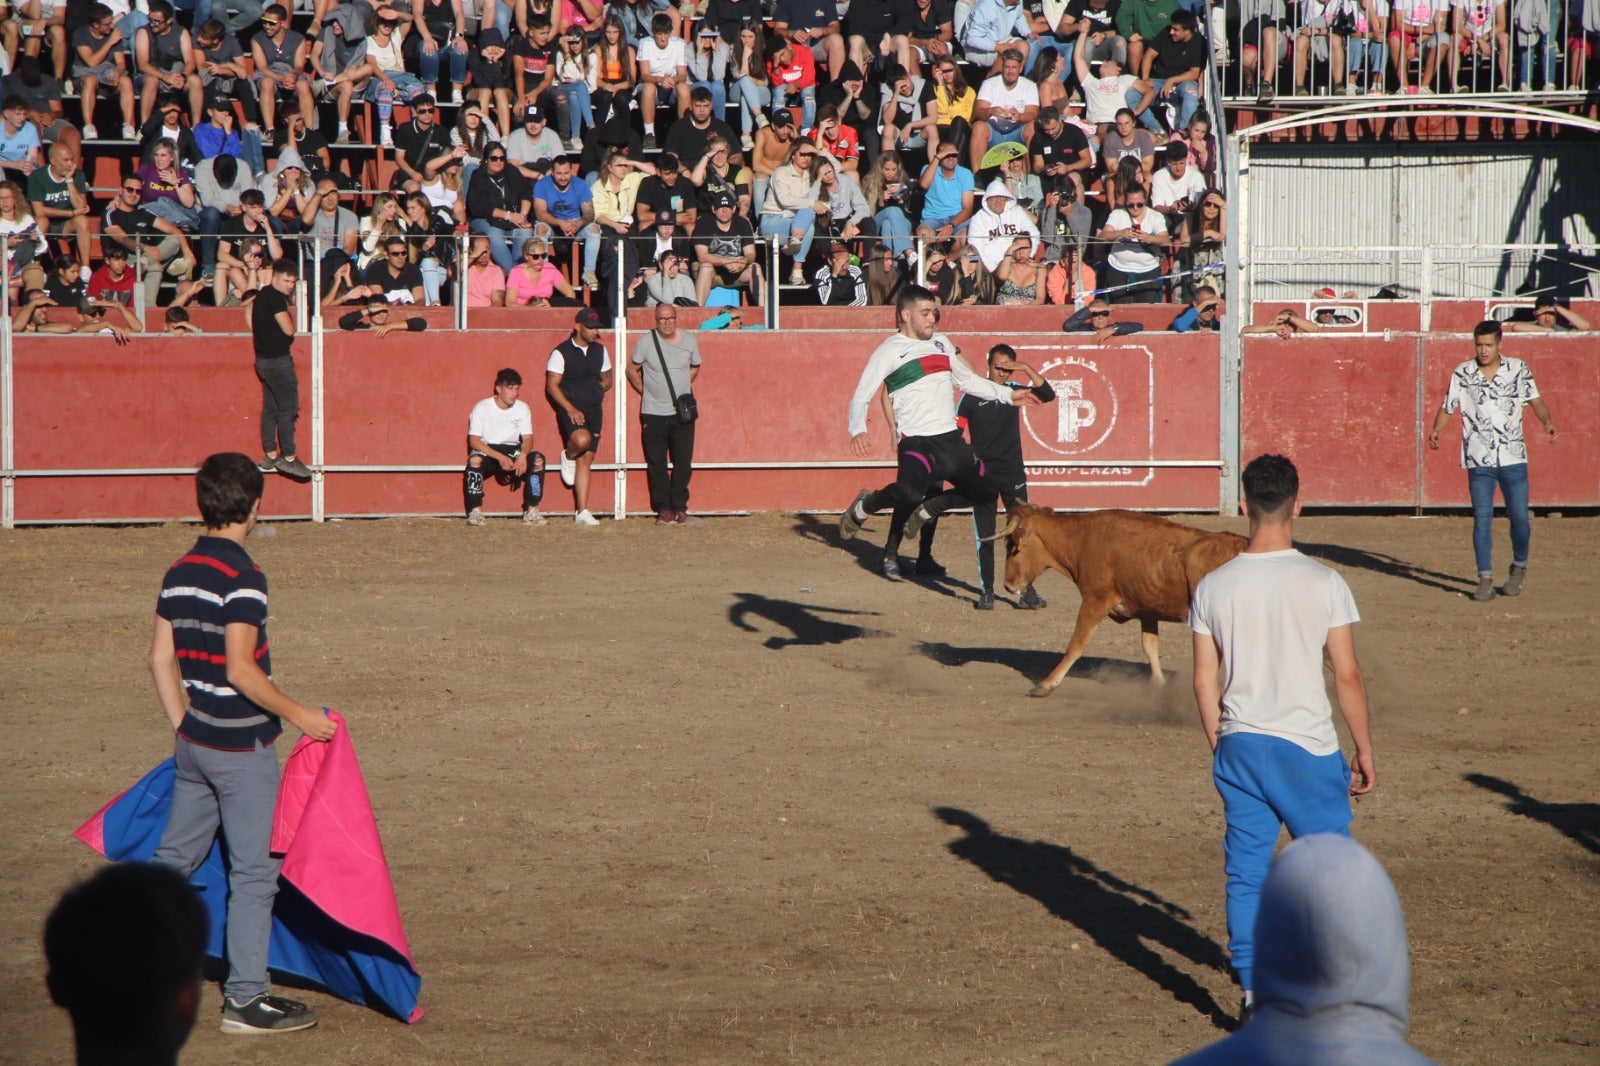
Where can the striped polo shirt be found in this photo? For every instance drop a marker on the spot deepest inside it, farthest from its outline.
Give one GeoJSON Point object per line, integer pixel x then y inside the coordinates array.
{"type": "Point", "coordinates": [214, 584]}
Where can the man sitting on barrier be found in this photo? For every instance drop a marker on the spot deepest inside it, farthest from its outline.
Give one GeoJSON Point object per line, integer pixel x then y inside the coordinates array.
{"type": "Point", "coordinates": [500, 446]}
{"type": "Point", "coordinates": [375, 315]}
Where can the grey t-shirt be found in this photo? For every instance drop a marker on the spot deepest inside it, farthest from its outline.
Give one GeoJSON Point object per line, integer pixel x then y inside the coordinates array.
{"type": "Point", "coordinates": [681, 353]}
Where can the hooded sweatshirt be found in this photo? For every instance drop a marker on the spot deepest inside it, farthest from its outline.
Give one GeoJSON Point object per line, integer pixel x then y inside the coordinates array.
{"type": "Point", "coordinates": [992, 234]}
{"type": "Point", "coordinates": [288, 157]}
{"type": "Point", "coordinates": [1332, 973]}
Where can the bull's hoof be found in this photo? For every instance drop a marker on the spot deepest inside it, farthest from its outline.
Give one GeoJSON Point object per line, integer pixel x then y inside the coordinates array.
{"type": "Point", "coordinates": [1039, 690]}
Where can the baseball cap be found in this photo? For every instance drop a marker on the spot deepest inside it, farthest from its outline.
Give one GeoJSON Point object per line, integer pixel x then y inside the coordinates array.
{"type": "Point", "coordinates": [783, 117]}
{"type": "Point", "coordinates": [723, 199]}
{"type": "Point", "coordinates": [533, 114]}
{"type": "Point", "coordinates": [666, 218]}
{"type": "Point", "coordinates": [588, 317]}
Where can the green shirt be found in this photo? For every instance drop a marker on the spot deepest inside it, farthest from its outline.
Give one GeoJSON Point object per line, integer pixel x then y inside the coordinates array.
{"type": "Point", "coordinates": [1145, 17]}
{"type": "Point", "coordinates": [43, 188]}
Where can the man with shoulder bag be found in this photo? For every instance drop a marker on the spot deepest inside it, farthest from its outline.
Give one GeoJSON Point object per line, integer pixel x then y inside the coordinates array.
{"type": "Point", "coordinates": [662, 370]}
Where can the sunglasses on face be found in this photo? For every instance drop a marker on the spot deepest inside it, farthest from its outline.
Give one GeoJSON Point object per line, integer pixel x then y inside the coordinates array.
{"type": "Point", "coordinates": [1099, 314]}
{"type": "Point", "coordinates": [270, 24]}
{"type": "Point", "coordinates": [1135, 203]}
{"type": "Point", "coordinates": [424, 110]}
{"type": "Point", "coordinates": [496, 159]}
{"type": "Point", "coordinates": [533, 255]}
{"type": "Point", "coordinates": [133, 188]}
{"type": "Point", "coordinates": [397, 254]}
{"type": "Point", "coordinates": [805, 156]}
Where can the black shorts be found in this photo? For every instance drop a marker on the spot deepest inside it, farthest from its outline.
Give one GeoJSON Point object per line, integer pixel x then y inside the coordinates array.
{"type": "Point", "coordinates": [593, 419]}
{"type": "Point", "coordinates": [1251, 31]}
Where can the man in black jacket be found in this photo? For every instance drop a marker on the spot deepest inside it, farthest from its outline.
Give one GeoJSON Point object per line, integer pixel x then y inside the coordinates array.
{"type": "Point", "coordinates": [498, 205]}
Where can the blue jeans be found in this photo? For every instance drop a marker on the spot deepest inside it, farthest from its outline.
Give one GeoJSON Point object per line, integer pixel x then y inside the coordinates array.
{"type": "Point", "coordinates": [1268, 783]}
{"type": "Point", "coordinates": [250, 151]}
{"type": "Point", "coordinates": [719, 97]}
{"type": "Point", "coordinates": [753, 100]}
{"type": "Point", "coordinates": [503, 14]}
{"type": "Point", "coordinates": [428, 66]}
{"type": "Point", "coordinates": [808, 103]}
{"type": "Point", "coordinates": [777, 225]}
{"type": "Point", "coordinates": [505, 245]}
{"type": "Point", "coordinates": [580, 113]}
{"type": "Point", "coordinates": [1370, 56]}
{"type": "Point", "coordinates": [210, 223]}
{"type": "Point", "coordinates": [894, 228]}
{"type": "Point", "coordinates": [1188, 101]}
{"type": "Point", "coordinates": [1513, 482]}
{"type": "Point", "coordinates": [434, 276]}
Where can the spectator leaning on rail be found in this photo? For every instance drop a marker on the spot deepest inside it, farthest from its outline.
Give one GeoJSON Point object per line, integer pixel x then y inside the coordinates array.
{"type": "Point", "coordinates": [377, 316]}
{"type": "Point", "coordinates": [1095, 317]}
{"type": "Point", "coordinates": [500, 446]}
{"type": "Point", "coordinates": [1204, 314]}
{"type": "Point", "coordinates": [1550, 317]}
{"type": "Point", "coordinates": [662, 369]}
{"type": "Point", "coordinates": [1138, 236]}
{"type": "Point", "coordinates": [1490, 391]}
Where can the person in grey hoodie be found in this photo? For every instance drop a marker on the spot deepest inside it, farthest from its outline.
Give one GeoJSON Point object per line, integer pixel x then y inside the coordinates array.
{"type": "Point", "coordinates": [218, 181]}
{"type": "Point", "coordinates": [997, 224]}
{"type": "Point", "coordinates": [1332, 970]}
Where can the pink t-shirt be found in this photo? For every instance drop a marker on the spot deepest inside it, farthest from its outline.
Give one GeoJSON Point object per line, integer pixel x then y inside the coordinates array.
{"type": "Point", "coordinates": [520, 288]}
{"type": "Point", "coordinates": [483, 284]}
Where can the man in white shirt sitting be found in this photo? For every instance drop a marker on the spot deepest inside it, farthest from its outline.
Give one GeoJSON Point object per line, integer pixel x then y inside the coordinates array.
{"type": "Point", "coordinates": [1006, 108]}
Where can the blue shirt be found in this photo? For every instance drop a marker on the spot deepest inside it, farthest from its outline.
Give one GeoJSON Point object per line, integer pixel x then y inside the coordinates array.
{"type": "Point", "coordinates": [565, 204]}
{"type": "Point", "coordinates": [943, 199]}
{"type": "Point", "coordinates": [18, 146]}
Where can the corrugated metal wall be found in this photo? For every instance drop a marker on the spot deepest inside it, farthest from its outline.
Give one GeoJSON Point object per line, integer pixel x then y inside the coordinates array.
{"type": "Point", "coordinates": [1313, 207]}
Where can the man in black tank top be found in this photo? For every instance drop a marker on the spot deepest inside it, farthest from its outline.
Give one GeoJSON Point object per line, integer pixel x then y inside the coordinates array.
{"type": "Point", "coordinates": [164, 62]}
{"type": "Point", "coordinates": [577, 379]}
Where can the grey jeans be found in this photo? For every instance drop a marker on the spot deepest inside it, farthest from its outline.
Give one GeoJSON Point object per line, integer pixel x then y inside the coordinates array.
{"type": "Point", "coordinates": [238, 791]}
{"type": "Point", "coordinates": [280, 404]}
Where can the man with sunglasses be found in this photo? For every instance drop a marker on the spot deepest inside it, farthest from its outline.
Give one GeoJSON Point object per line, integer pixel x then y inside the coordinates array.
{"type": "Point", "coordinates": [1137, 235]}
{"type": "Point", "coordinates": [164, 61]}
{"type": "Point", "coordinates": [1096, 318]}
{"type": "Point", "coordinates": [395, 275]}
{"type": "Point", "coordinates": [1550, 317]}
{"type": "Point", "coordinates": [419, 144]}
{"type": "Point", "coordinates": [163, 246]}
{"type": "Point", "coordinates": [280, 56]}
{"type": "Point", "coordinates": [1204, 314]}
{"type": "Point", "coordinates": [950, 197]}
{"type": "Point", "coordinates": [377, 316]}
{"type": "Point", "coordinates": [917, 366]}
{"type": "Point", "coordinates": [100, 64]}
{"type": "Point", "coordinates": [498, 201]}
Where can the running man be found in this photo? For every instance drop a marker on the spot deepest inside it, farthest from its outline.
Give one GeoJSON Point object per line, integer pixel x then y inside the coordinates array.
{"type": "Point", "coordinates": [918, 365]}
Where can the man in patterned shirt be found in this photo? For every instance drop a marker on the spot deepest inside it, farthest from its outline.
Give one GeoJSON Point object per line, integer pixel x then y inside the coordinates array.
{"type": "Point", "coordinates": [1490, 390]}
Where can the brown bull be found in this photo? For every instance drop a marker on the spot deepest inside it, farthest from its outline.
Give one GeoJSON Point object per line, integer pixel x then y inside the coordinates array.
{"type": "Point", "coordinates": [1126, 565]}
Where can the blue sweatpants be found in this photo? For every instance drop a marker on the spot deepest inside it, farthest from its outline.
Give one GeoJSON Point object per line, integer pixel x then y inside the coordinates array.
{"type": "Point", "coordinates": [1267, 783]}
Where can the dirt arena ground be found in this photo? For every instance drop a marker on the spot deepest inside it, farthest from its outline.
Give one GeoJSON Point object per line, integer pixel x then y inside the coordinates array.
{"type": "Point", "coordinates": [724, 795]}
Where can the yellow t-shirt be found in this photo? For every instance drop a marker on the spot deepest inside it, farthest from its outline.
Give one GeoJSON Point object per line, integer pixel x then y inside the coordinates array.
{"type": "Point", "coordinates": [960, 107]}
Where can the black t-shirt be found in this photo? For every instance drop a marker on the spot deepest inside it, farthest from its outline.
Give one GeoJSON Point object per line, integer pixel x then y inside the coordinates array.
{"type": "Point", "coordinates": [942, 283]}
{"type": "Point", "coordinates": [1064, 147]}
{"type": "Point", "coordinates": [580, 374]}
{"type": "Point", "coordinates": [313, 144]}
{"type": "Point", "coordinates": [656, 196]}
{"type": "Point", "coordinates": [533, 60]}
{"type": "Point", "coordinates": [420, 145]}
{"type": "Point", "coordinates": [1175, 57]}
{"type": "Point", "coordinates": [1104, 19]}
{"type": "Point", "coordinates": [718, 183]}
{"type": "Point", "coordinates": [992, 426]}
{"type": "Point", "coordinates": [407, 280]}
{"type": "Point", "coordinates": [270, 339]}
{"type": "Point", "coordinates": [689, 143]}
{"type": "Point", "coordinates": [729, 243]}
{"type": "Point", "coordinates": [235, 229]}
{"type": "Point", "coordinates": [727, 16]}
{"type": "Point", "coordinates": [925, 25]}
{"type": "Point", "coordinates": [138, 224]}
{"type": "Point", "coordinates": [64, 293]}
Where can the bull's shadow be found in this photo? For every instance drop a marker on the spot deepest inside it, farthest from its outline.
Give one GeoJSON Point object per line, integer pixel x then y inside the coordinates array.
{"type": "Point", "coordinates": [867, 549]}
{"type": "Point", "coordinates": [1034, 665]}
{"type": "Point", "coordinates": [1122, 918]}
{"type": "Point", "coordinates": [1388, 565]}
{"type": "Point", "coordinates": [1580, 822]}
{"type": "Point", "coordinates": [805, 620]}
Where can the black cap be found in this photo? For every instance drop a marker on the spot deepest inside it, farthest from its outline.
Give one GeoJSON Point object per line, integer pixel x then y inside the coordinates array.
{"type": "Point", "coordinates": [589, 318]}
{"type": "Point", "coordinates": [666, 218]}
{"type": "Point", "coordinates": [783, 117]}
{"type": "Point", "coordinates": [533, 114]}
{"type": "Point", "coordinates": [723, 199]}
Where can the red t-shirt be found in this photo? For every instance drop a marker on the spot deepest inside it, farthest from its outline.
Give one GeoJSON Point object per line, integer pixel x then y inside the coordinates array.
{"type": "Point", "coordinates": [799, 73]}
{"type": "Point", "coordinates": [846, 145]}
{"type": "Point", "coordinates": [103, 287]}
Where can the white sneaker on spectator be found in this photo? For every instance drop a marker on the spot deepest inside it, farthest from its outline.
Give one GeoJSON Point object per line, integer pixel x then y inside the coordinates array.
{"type": "Point", "coordinates": [575, 144]}
{"type": "Point", "coordinates": [475, 517]}
{"type": "Point", "coordinates": [67, 89]}
{"type": "Point", "coordinates": [128, 132]}
{"type": "Point", "coordinates": [747, 142]}
{"type": "Point", "coordinates": [83, 272]}
{"type": "Point", "coordinates": [343, 136]}
{"type": "Point", "coordinates": [1351, 88]}
{"type": "Point", "coordinates": [385, 136]}
{"type": "Point", "coordinates": [532, 517]}
{"type": "Point", "coordinates": [584, 518]}
{"type": "Point", "coordinates": [90, 133]}
{"type": "Point", "coordinates": [591, 279]}
{"type": "Point", "coordinates": [266, 138]}
{"type": "Point", "coordinates": [797, 276]}
{"type": "Point", "coordinates": [569, 469]}
{"type": "Point", "coordinates": [455, 95]}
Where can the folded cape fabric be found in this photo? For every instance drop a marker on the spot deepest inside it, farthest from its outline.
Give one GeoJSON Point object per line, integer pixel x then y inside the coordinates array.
{"type": "Point", "coordinates": [336, 922]}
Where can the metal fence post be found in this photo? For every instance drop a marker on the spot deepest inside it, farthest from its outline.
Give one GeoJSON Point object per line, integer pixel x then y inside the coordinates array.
{"type": "Point", "coordinates": [318, 459]}
{"type": "Point", "coordinates": [463, 245]}
{"type": "Point", "coordinates": [619, 415]}
{"type": "Point", "coordinates": [8, 483]}
{"type": "Point", "coordinates": [774, 291]}
{"type": "Point", "coordinates": [1236, 271]}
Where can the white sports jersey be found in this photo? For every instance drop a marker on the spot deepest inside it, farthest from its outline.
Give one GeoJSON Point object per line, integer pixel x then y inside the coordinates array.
{"type": "Point", "coordinates": [918, 375]}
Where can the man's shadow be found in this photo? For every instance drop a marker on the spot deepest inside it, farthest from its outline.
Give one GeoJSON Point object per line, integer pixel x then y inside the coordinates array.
{"type": "Point", "coordinates": [1580, 822]}
{"type": "Point", "coordinates": [868, 553]}
{"type": "Point", "coordinates": [1118, 916]}
{"type": "Point", "coordinates": [1388, 565]}
{"type": "Point", "coordinates": [802, 619]}
{"type": "Point", "coordinates": [1034, 665]}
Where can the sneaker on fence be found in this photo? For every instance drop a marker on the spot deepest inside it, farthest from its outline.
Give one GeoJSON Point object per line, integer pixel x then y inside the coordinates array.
{"type": "Point", "coordinates": [584, 518]}
{"type": "Point", "coordinates": [266, 1014]}
{"type": "Point", "coordinates": [569, 469]}
{"type": "Point", "coordinates": [591, 279]}
{"type": "Point", "coordinates": [294, 468]}
{"type": "Point", "coordinates": [475, 517]}
{"type": "Point", "coordinates": [90, 133]}
{"type": "Point", "coordinates": [532, 517]}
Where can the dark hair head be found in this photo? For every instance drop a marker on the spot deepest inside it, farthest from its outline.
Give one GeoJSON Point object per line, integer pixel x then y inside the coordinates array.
{"type": "Point", "coordinates": [660, 23]}
{"type": "Point", "coordinates": [1177, 152]}
{"type": "Point", "coordinates": [423, 100]}
{"type": "Point", "coordinates": [1185, 20]}
{"type": "Point", "coordinates": [252, 197]}
{"type": "Point", "coordinates": [120, 948]}
{"type": "Point", "coordinates": [227, 486]}
{"type": "Point", "coordinates": [100, 12]}
{"type": "Point", "coordinates": [1125, 111]}
{"type": "Point", "coordinates": [13, 101]}
{"type": "Point", "coordinates": [699, 95]}
{"type": "Point", "coordinates": [211, 30]}
{"type": "Point", "coordinates": [1487, 328]}
{"type": "Point", "coordinates": [910, 295]}
{"type": "Point", "coordinates": [160, 7]}
{"type": "Point", "coordinates": [225, 168]}
{"type": "Point", "coordinates": [1271, 484]}
{"type": "Point", "coordinates": [1540, 304]}
{"type": "Point", "coordinates": [177, 314]}
{"type": "Point", "coordinates": [287, 265]}
{"type": "Point", "coordinates": [276, 9]}
{"type": "Point", "coordinates": [1002, 351]}
{"type": "Point", "coordinates": [508, 376]}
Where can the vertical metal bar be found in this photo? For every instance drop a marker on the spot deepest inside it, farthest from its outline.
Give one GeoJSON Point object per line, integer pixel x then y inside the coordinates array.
{"type": "Point", "coordinates": [1422, 411]}
{"type": "Point", "coordinates": [319, 510]}
{"type": "Point", "coordinates": [463, 243]}
{"type": "Point", "coordinates": [773, 283]}
{"type": "Point", "coordinates": [1235, 308]}
{"type": "Point", "coordinates": [1427, 287]}
{"type": "Point", "coordinates": [8, 484]}
{"type": "Point", "coordinates": [922, 260]}
{"type": "Point", "coordinates": [619, 415]}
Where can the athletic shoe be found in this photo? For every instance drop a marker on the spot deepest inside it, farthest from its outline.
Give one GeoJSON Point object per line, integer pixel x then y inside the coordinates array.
{"type": "Point", "coordinates": [1246, 1009]}
{"type": "Point", "coordinates": [574, 144]}
{"type": "Point", "coordinates": [684, 518]}
{"type": "Point", "coordinates": [919, 517]}
{"type": "Point", "coordinates": [268, 464]}
{"type": "Point", "coordinates": [792, 247]}
{"type": "Point", "coordinates": [584, 518]}
{"type": "Point", "coordinates": [266, 1014]}
{"type": "Point", "coordinates": [343, 136]}
{"type": "Point", "coordinates": [90, 133]}
{"type": "Point", "coordinates": [84, 274]}
{"type": "Point", "coordinates": [649, 142]}
{"type": "Point", "coordinates": [984, 602]}
{"type": "Point", "coordinates": [591, 279]}
{"type": "Point", "coordinates": [927, 567]}
{"type": "Point", "coordinates": [67, 88]}
{"type": "Point", "coordinates": [1031, 599]}
{"type": "Point", "coordinates": [475, 517]}
{"type": "Point", "coordinates": [889, 565]}
{"type": "Point", "coordinates": [1485, 590]}
{"type": "Point", "coordinates": [1351, 88]}
{"type": "Point", "coordinates": [455, 95]}
{"type": "Point", "coordinates": [266, 138]}
{"type": "Point", "coordinates": [294, 468]}
{"type": "Point", "coordinates": [1513, 586]}
{"type": "Point", "coordinates": [1267, 95]}
{"type": "Point", "coordinates": [797, 277]}
{"type": "Point", "coordinates": [128, 132]}
{"type": "Point", "coordinates": [849, 524]}
{"type": "Point", "coordinates": [569, 469]}
{"type": "Point", "coordinates": [532, 517]}
{"type": "Point", "coordinates": [748, 143]}
{"type": "Point", "coordinates": [666, 518]}
{"type": "Point", "coordinates": [385, 137]}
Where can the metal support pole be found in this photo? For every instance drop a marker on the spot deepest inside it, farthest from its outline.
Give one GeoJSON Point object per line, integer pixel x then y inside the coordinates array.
{"type": "Point", "coordinates": [8, 431]}
{"type": "Point", "coordinates": [619, 414]}
{"type": "Point", "coordinates": [773, 292]}
{"type": "Point", "coordinates": [922, 260]}
{"type": "Point", "coordinates": [318, 485]}
{"type": "Point", "coordinates": [1236, 271]}
{"type": "Point", "coordinates": [1427, 288]}
{"type": "Point", "coordinates": [463, 245]}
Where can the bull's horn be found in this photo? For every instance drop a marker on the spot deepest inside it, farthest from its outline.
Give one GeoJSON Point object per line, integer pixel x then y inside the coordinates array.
{"type": "Point", "coordinates": [1005, 531]}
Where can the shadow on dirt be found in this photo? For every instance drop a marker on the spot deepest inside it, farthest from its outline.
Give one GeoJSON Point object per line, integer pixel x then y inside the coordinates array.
{"type": "Point", "coordinates": [1118, 916]}
{"type": "Point", "coordinates": [868, 553]}
{"type": "Point", "coordinates": [804, 620]}
{"type": "Point", "coordinates": [1579, 822]}
{"type": "Point", "coordinates": [1034, 665]}
{"type": "Point", "coordinates": [1388, 565]}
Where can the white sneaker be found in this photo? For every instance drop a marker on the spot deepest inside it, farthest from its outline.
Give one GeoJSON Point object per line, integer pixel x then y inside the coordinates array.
{"type": "Point", "coordinates": [385, 137]}
{"type": "Point", "coordinates": [67, 89]}
{"type": "Point", "coordinates": [575, 144]}
{"type": "Point", "coordinates": [90, 133]}
{"type": "Point", "coordinates": [748, 143]}
{"type": "Point", "coordinates": [797, 276]}
{"type": "Point", "coordinates": [455, 95]}
{"type": "Point", "coordinates": [475, 517]}
{"type": "Point", "coordinates": [532, 517]}
{"type": "Point", "coordinates": [83, 272]}
{"type": "Point", "coordinates": [128, 132]}
{"type": "Point", "coordinates": [591, 279]}
{"type": "Point", "coordinates": [569, 469]}
{"type": "Point", "coordinates": [584, 518]}
{"type": "Point", "coordinates": [1352, 89]}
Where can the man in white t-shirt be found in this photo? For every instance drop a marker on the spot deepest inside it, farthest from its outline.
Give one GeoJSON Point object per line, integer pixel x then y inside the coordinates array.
{"type": "Point", "coordinates": [1006, 107]}
{"type": "Point", "coordinates": [500, 445]}
{"type": "Point", "coordinates": [663, 70]}
{"type": "Point", "coordinates": [1177, 186]}
{"type": "Point", "coordinates": [1107, 94]}
{"type": "Point", "coordinates": [1267, 616]}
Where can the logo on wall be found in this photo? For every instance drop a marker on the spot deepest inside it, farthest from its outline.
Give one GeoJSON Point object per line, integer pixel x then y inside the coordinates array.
{"type": "Point", "coordinates": [1101, 419]}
